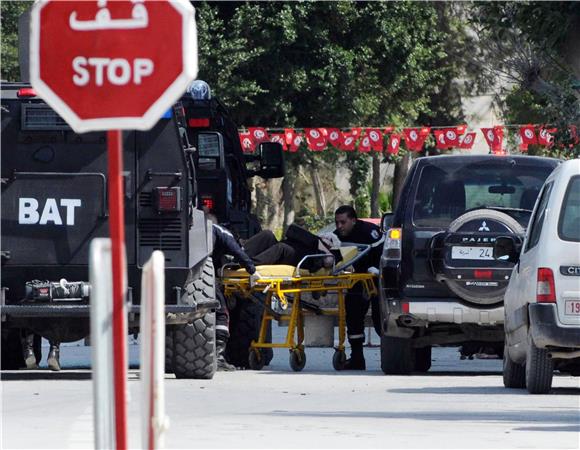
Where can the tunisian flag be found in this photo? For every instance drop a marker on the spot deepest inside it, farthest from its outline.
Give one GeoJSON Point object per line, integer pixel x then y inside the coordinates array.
{"type": "Point", "coordinates": [528, 135]}
{"type": "Point", "coordinates": [279, 138]}
{"type": "Point", "coordinates": [415, 137]}
{"type": "Point", "coordinates": [440, 141]}
{"type": "Point", "coordinates": [259, 134]}
{"type": "Point", "coordinates": [348, 141]}
{"type": "Point", "coordinates": [316, 139]}
{"type": "Point", "coordinates": [364, 146]}
{"type": "Point", "coordinates": [394, 143]}
{"type": "Point", "coordinates": [376, 139]}
{"type": "Point", "coordinates": [293, 140]}
{"type": "Point", "coordinates": [247, 142]}
{"type": "Point", "coordinates": [494, 138]}
{"type": "Point", "coordinates": [335, 137]}
{"type": "Point", "coordinates": [545, 136]}
{"type": "Point", "coordinates": [467, 141]}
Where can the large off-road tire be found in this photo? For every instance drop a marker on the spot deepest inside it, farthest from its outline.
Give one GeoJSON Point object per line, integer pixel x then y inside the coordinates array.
{"type": "Point", "coordinates": [539, 369]}
{"type": "Point", "coordinates": [194, 345]}
{"type": "Point", "coordinates": [494, 222]}
{"type": "Point", "coordinates": [397, 356]}
{"type": "Point", "coordinates": [514, 374]}
{"type": "Point", "coordinates": [194, 354]}
{"type": "Point", "coordinates": [423, 359]}
{"type": "Point", "coordinates": [245, 322]}
{"type": "Point", "coordinates": [169, 351]}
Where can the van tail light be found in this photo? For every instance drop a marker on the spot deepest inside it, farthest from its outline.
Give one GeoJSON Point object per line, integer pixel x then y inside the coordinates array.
{"type": "Point", "coordinates": [208, 202]}
{"type": "Point", "coordinates": [198, 123]}
{"type": "Point", "coordinates": [483, 274]}
{"type": "Point", "coordinates": [26, 92]}
{"type": "Point", "coordinates": [545, 288]}
{"type": "Point", "coordinates": [392, 249]}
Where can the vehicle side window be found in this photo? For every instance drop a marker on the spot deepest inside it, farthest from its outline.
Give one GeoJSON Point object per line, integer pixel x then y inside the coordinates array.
{"type": "Point", "coordinates": [537, 220]}
{"type": "Point", "coordinates": [569, 223]}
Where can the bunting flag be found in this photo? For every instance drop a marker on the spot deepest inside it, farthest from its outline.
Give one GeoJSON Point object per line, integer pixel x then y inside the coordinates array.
{"type": "Point", "coordinates": [376, 139]}
{"type": "Point", "coordinates": [315, 139]}
{"type": "Point", "coordinates": [389, 129]}
{"type": "Point", "coordinates": [528, 135]}
{"type": "Point", "coordinates": [364, 145]}
{"type": "Point", "coordinates": [440, 141]}
{"type": "Point", "coordinates": [348, 142]}
{"type": "Point", "coordinates": [247, 143]}
{"type": "Point", "coordinates": [335, 137]}
{"type": "Point", "coordinates": [545, 136]}
{"type": "Point", "coordinates": [522, 145]}
{"type": "Point", "coordinates": [460, 129]}
{"type": "Point", "coordinates": [356, 132]}
{"type": "Point", "coordinates": [467, 141]}
{"type": "Point", "coordinates": [394, 143]}
{"type": "Point", "coordinates": [494, 138]}
{"type": "Point", "coordinates": [415, 138]}
{"type": "Point", "coordinates": [293, 140]}
{"type": "Point", "coordinates": [258, 134]}
{"type": "Point", "coordinates": [451, 137]}
{"type": "Point", "coordinates": [573, 131]}
{"type": "Point", "coordinates": [280, 139]}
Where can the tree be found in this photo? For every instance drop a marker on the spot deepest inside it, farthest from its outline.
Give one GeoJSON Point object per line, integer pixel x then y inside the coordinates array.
{"type": "Point", "coordinates": [9, 14]}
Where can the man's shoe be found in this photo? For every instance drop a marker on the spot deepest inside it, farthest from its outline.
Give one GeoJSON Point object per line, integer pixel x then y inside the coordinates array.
{"type": "Point", "coordinates": [30, 359]}
{"type": "Point", "coordinates": [53, 358]}
{"type": "Point", "coordinates": [355, 364]}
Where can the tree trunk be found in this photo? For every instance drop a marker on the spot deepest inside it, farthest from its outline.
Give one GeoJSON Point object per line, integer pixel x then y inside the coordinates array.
{"type": "Point", "coordinates": [401, 170]}
{"type": "Point", "coordinates": [318, 191]}
{"type": "Point", "coordinates": [376, 185]}
{"type": "Point", "coordinates": [288, 189]}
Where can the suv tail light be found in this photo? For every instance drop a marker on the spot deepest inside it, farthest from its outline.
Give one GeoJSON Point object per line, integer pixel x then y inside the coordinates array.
{"type": "Point", "coordinates": [26, 92]}
{"type": "Point", "coordinates": [392, 249]}
{"type": "Point", "coordinates": [207, 202]}
{"type": "Point", "coordinates": [545, 288]}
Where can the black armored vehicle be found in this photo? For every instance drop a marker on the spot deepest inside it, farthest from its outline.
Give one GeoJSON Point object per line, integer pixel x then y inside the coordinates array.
{"type": "Point", "coordinates": [54, 185]}
{"type": "Point", "coordinates": [439, 282]}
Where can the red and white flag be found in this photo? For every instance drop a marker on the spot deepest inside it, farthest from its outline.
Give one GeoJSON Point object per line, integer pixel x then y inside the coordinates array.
{"type": "Point", "coordinates": [364, 145]}
{"type": "Point", "coordinates": [335, 137]}
{"type": "Point", "coordinates": [494, 138]}
{"type": "Point", "coordinates": [356, 132]}
{"type": "Point", "coordinates": [415, 138]}
{"type": "Point", "coordinates": [394, 144]}
{"type": "Point", "coordinates": [545, 136]}
{"type": "Point", "coordinates": [467, 140]}
{"type": "Point", "coordinates": [528, 135]}
{"type": "Point", "coordinates": [376, 138]}
{"type": "Point", "coordinates": [247, 142]}
{"type": "Point", "coordinates": [315, 139]}
{"type": "Point", "coordinates": [348, 142]}
{"type": "Point", "coordinates": [293, 140]}
{"type": "Point", "coordinates": [440, 140]}
{"type": "Point", "coordinates": [521, 144]}
{"type": "Point", "coordinates": [451, 137]}
{"type": "Point", "coordinates": [279, 138]}
{"type": "Point", "coordinates": [389, 129]}
{"type": "Point", "coordinates": [259, 134]}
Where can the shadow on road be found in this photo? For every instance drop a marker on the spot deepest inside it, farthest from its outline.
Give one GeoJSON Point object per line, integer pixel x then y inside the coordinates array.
{"type": "Point", "coordinates": [479, 390]}
{"type": "Point", "coordinates": [21, 375]}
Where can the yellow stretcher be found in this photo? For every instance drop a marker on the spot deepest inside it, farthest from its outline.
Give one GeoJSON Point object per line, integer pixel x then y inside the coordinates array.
{"type": "Point", "coordinates": [285, 285]}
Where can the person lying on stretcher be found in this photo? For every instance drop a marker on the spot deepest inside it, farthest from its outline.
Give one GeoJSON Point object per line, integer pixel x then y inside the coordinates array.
{"type": "Point", "coordinates": [265, 249]}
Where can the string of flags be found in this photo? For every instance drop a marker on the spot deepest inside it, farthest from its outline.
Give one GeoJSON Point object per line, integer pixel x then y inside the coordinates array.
{"type": "Point", "coordinates": [388, 140]}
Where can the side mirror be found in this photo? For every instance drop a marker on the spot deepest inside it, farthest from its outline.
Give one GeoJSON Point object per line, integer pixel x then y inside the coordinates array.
{"type": "Point", "coordinates": [506, 248]}
{"type": "Point", "coordinates": [386, 221]}
{"type": "Point", "coordinates": [271, 160]}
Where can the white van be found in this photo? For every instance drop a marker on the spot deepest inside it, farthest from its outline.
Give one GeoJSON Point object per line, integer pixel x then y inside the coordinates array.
{"type": "Point", "coordinates": [542, 300]}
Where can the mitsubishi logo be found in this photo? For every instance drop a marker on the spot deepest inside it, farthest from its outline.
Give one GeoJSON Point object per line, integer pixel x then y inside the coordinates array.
{"type": "Point", "coordinates": [483, 227]}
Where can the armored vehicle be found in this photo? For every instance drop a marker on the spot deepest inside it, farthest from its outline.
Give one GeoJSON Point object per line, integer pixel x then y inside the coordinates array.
{"type": "Point", "coordinates": [54, 185]}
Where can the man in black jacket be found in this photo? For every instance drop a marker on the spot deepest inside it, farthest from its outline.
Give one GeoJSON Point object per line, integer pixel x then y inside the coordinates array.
{"type": "Point", "coordinates": [350, 229]}
{"type": "Point", "coordinates": [224, 243]}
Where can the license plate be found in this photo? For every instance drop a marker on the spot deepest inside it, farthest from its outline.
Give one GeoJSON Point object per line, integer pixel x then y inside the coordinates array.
{"type": "Point", "coordinates": [572, 308]}
{"type": "Point", "coordinates": [472, 253]}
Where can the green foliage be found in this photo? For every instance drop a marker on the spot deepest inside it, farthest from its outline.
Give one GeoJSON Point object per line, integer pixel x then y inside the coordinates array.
{"type": "Point", "coordinates": [9, 14]}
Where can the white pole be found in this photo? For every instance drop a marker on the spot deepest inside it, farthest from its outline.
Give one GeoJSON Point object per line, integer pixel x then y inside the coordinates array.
{"type": "Point", "coordinates": [101, 297]}
{"type": "Point", "coordinates": [152, 370]}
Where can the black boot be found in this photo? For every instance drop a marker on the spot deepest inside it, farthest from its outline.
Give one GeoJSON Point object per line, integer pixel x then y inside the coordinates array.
{"type": "Point", "coordinates": [222, 364]}
{"type": "Point", "coordinates": [29, 356]}
{"type": "Point", "coordinates": [53, 357]}
{"type": "Point", "coordinates": [357, 358]}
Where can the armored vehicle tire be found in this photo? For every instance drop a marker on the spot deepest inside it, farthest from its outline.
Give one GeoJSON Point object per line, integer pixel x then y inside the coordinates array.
{"type": "Point", "coordinates": [169, 351]}
{"type": "Point", "coordinates": [514, 374]}
{"type": "Point", "coordinates": [245, 321]}
{"type": "Point", "coordinates": [539, 369]}
{"type": "Point", "coordinates": [485, 296]}
{"type": "Point", "coordinates": [12, 350]}
{"type": "Point", "coordinates": [423, 359]}
{"type": "Point", "coordinates": [397, 356]}
{"type": "Point", "coordinates": [194, 351]}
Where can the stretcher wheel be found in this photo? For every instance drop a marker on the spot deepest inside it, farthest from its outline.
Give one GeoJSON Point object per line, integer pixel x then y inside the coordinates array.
{"type": "Point", "coordinates": [297, 359]}
{"type": "Point", "coordinates": [255, 359]}
{"type": "Point", "coordinates": [339, 360]}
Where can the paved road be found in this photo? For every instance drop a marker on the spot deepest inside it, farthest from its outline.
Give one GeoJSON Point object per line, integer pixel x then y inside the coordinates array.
{"type": "Point", "coordinates": [458, 404]}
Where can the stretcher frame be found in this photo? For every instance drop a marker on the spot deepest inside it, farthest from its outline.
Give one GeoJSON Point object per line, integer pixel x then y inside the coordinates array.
{"type": "Point", "coordinates": [288, 291]}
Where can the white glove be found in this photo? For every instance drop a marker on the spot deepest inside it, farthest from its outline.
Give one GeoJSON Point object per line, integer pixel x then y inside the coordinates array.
{"type": "Point", "coordinates": [373, 270]}
{"type": "Point", "coordinates": [254, 277]}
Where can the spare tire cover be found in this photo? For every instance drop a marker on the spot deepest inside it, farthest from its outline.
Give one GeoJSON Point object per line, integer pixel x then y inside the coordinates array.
{"type": "Point", "coordinates": [482, 223]}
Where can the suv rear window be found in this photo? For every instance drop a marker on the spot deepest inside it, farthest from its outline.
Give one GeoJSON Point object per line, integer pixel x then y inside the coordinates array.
{"type": "Point", "coordinates": [445, 193]}
{"type": "Point", "coordinates": [569, 225]}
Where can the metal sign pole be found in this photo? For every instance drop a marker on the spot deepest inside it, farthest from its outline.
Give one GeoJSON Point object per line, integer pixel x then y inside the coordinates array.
{"type": "Point", "coordinates": [117, 232]}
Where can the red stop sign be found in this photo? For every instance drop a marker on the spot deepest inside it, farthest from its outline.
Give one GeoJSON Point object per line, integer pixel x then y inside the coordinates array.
{"type": "Point", "coordinates": [112, 65]}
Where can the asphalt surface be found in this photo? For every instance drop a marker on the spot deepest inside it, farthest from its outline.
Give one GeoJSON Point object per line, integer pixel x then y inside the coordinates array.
{"type": "Point", "coordinates": [457, 404]}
